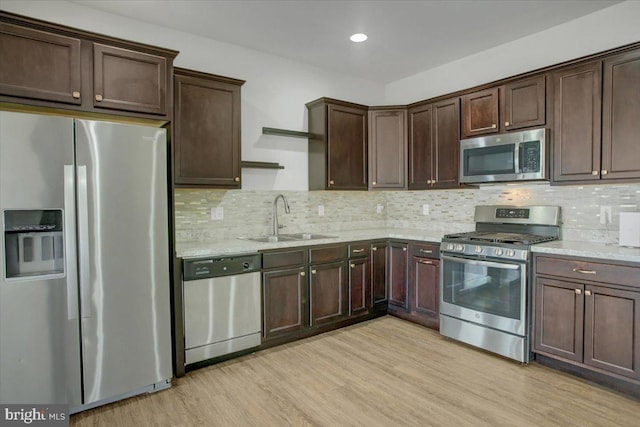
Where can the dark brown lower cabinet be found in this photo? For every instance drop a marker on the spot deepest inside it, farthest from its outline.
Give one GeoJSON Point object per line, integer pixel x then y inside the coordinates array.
{"type": "Point", "coordinates": [328, 288]}
{"type": "Point", "coordinates": [359, 286]}
{"type": "Point", "coordinates": [397, 272]}
{"type": "Point", "coordinates": [594, 325]}
{"type": "Point", "coordinates": [425, 275]}
{"type": "Point", "coordinates": [285, 302]}
{"type": "Point", "coordinates": [379, 283]}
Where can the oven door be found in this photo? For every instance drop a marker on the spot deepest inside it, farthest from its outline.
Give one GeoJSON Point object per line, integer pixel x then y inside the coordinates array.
{"type": "Point", "coordinates": [489, 293]}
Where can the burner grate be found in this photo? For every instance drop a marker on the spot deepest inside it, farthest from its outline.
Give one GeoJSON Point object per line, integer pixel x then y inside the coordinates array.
{"type": "Point", "coordinates": [498, 237]}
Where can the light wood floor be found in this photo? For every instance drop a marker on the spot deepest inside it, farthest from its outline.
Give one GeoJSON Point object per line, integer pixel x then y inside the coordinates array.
{"type": "Point", "coordinates": [386, 372]}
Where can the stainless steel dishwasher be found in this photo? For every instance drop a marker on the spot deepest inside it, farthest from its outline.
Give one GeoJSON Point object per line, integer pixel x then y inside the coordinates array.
{"type": "Point", "coordinates": [222, 309]}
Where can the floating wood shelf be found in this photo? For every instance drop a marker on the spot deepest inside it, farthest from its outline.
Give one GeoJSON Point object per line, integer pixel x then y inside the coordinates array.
{"type": "Point", "coordinates": [261, 165]}
{"type": "Point", "coordinates": [285, 132]}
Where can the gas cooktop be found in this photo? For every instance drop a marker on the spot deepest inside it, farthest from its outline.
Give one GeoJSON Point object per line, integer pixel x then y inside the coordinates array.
{"type": "Point", "coordinates": [499, 237]}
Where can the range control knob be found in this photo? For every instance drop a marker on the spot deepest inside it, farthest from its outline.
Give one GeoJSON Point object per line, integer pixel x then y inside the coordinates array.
{"type": "Point", "coordinates": [246, 265]}
{"type": "Point", "coordinates": [479, 249]}
{"type": "Point", "coordinates": [511, 252]}
{"type": "Point", "coordinates": [459, 248]}
{"type": "Point", "coordinates": [449, 246]}
{"type": "Point", "coordinates": [499, 252]}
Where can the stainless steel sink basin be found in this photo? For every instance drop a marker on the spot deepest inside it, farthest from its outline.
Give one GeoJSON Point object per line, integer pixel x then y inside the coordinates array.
{"type": "Point", "coordinates": [289, 237]}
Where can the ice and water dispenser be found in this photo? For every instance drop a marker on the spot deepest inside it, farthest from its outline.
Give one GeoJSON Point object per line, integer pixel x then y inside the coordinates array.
{"type": "Point", "coordinates": [33, 242]}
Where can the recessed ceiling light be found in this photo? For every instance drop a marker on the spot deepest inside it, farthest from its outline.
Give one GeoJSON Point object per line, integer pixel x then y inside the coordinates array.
{"type": "Point", "coordinates": [359, 37]}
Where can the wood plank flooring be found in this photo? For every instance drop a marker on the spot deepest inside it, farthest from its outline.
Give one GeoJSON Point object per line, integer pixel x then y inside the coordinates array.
{"type": "Point", "coordinates": [385, 372]}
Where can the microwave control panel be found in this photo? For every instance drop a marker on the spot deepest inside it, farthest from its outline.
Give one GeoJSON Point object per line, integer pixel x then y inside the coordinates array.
{"type": "Point", "coordinates": [530, 156]}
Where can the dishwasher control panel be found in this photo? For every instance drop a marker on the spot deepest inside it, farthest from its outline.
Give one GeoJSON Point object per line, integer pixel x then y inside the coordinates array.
{"type": "Point", "coordinates": [205, 268]}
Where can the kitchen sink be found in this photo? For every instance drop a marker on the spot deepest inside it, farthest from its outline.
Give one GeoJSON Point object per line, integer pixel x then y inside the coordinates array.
{"type": "Point", "coordinates": [289, 237]}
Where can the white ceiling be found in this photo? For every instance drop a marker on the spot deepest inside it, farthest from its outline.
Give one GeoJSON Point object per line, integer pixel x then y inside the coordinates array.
{"type": "Point", "coordinates": [405, 37]}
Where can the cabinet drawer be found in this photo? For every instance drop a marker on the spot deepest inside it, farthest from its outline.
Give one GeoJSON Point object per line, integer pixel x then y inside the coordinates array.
{"type": "Point", "coordinates": [327, 254]}
{"type": "Point", "coordinates": [358, 250]}
{"type": "Point", "coordinates": [297, 257]}
{"type": "Point", "coordinates": [425, 250]}
{"type": "Point", "coordinates": [589, 270]}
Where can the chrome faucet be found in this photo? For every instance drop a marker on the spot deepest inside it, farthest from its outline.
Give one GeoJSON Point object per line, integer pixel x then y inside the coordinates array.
{"type": "Point", "coordinates": [276, 226]}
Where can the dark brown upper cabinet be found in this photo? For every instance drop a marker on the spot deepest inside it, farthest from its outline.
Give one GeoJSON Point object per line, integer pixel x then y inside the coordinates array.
{"type": "Point", "coordinates": [523, 103]}
{"type": "Point", "coordinates": [39, 65]}
{"type": "Point", "coordinates": [206, 130]}
{"type": "Point", "coordinates": [621, 117]}
{"type": "Point", "coordinates": [434, 136]}
{"type": "Point", "coordinates": [480, 113]}
{"type": "Point", "coordinates": [49, 65]}
{"type": "Point", "coordinates": [512, 106]}
{"type": "Point", "coordinates": [127, 80]}
{"type": "Point", "coordinates": [337, 145]}
{"type": "Point", "coordinates": [387, 148]}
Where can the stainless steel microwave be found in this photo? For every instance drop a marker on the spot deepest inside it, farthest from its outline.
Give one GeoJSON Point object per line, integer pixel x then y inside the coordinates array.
{"type": "Point", "coordinates": [516, 156]}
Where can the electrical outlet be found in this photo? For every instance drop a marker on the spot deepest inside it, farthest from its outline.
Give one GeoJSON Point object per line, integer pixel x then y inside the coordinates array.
{"type": "Point", "coordinates": [320, 210]}
{"type": "Point", "coordinates": [605, 215]}
{"type": "Point", "coordinates": [379, 209]}
{"type": "Point", "coordinates": [217, 213]}
{"type": "Point", "coordinates": [425, 209]}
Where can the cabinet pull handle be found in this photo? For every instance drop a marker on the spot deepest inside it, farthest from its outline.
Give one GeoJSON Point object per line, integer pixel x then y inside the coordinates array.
{"type": "Point", "coordinates": [98, 98]}
{"type": "Point", "coordinates": [424, 261]}
{"type": "Point", "coordinates": [481, 129]}
{"type": "Point", "coordinates": [76, 94]}
{"type": "Point", "coordinates": [374, 248]}
{"type": "Point", "coordinates": [587, 293]}
{"type": "Point", "coordinates": [313, 272]}
{"type": "Point", "coordinates": [302, 273]}
{"type": "Point", "coordinates": [594, 172]}
{"type": "Point", "coordinates": [425, 251]}
{"type": "Point", "coordinates": [357, 251]}
{"type": "Point", "coordinates": [236, 179]}
{"type": "Point", "coordinates": [604, 171]}
{"type": "Point", "coordinates": [506, 123]}
{"type": "Point", "coordinates": [353, 266]}
{"type": "Point", "coordinates": [578, 291]}
{"type": "Point", "coordinates": [578, 270]}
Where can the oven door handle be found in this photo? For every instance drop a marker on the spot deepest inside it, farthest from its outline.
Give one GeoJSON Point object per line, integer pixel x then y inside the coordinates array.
{"type": "Point", "coordinates": [504, 266]}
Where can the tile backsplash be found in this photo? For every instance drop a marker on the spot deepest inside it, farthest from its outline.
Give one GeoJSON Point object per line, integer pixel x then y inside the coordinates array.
{"type": "Point", "coordinates": [249, 213]}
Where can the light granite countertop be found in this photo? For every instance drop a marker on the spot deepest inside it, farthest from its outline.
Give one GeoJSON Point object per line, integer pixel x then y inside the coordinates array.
{"type": "Point", "coordinates": [559, 247]}
{"type": "Point", "coordinates": [608, 251]}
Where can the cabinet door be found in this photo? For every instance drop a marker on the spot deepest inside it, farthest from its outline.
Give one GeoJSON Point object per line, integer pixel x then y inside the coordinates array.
{"type": "Point", "coordinates": [446, 142]}
{"type": "Point", "coordinates": [480, 113]}
{"type": "Point", "coordinates": [329, 300]}
{"type": "Point", "coordinates": [387, 148]}
{"type": "Point", "coordinates": [559, 317]}
{"type": "Point", "coordinates": [40, 65]}
{"type": "Point", "coordinates": [420, 148]}
{"type": "Point", "coordinates": [577, 122]}
{"type": "Point", "coordinates": [128, 80]}
{"type": "Point", "coordinates": [379, 280]}
{"type": "Point", "coordinates": [359, 286]}
{"type": "Point", "coordinates": [398, 275]}
{"type": "Point", "coordinates": [347, 148]}
{"type": "Point", "coordinates": [425, 277]}
{"type": "Point", "coordinates": [612, 330]}
{"type": "Point", "coordinates": [524, 103]}
{"type": "Point", "coordinates": [285, 307]}
{"type": "Point", "coordinates": [621, 117]}
{"type": "Point", "coordinates": [207, 132]}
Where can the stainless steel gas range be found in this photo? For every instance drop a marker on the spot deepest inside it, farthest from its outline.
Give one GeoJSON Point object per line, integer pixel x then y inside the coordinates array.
{"type": "Point", "coordinates": [485, 274]}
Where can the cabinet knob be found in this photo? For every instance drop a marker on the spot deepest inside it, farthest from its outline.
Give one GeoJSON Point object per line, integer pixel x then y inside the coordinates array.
{"type": "Point", "coordinates": [587, 293]}
{"type": "Point", "coordinates": [594, 172]}
{"type": "Point", "coordinates": [493, 126]}
{"type": "Point", "coordinates": [236, 179]}
{"type": "Point", "coordinates": [313, 272]}
{"type": "Point", "coordinates": [302, 273]}
{"type": "Point", "coordinates": [604, 172]}
{"type": "Point", "coordinates": [76, 94]}
{"type": "Point", "coordinates": [373, 183]}
{"type": "Point", "coordinates": [98, 98]}
{"type": "Point", "coordinates": [353, 266]}
{"type": "Point", "coordinates": [506, 123]}
{"type": "Point", "coordinates": [428, 181]}
{"type": "Point", "coordinates": [404, 249]}
{"type": "Point", "coordinates": [433, 181]}
{"type": "Point", "coordinates": [578, 291]}
{"type": "Point", "coordinates": [331, 182]}
{"type": "Point", "coordinates": [374, 248]}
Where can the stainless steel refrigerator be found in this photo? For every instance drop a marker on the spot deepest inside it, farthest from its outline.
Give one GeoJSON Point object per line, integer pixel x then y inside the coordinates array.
{"type": "Point", "coordinates": [84, 260]}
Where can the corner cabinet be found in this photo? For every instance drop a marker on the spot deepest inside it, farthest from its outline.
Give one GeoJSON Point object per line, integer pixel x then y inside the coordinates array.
{"type": "Point", "coordinates": [206, 130]}
{"type": "Point", "coordinates": [434, 138]}
{"type": "Point", "coordinates": [587, 312]}
{"type": "Point", "coordinates": [387, 148]}
{"type": "Point", "coordinates": [424, 283]}
{"type": "Point", "coordinates": [48, 65]}
{"type": "Point", "coordinates": [338, 145]}
{"type": "Point", "coordinates": [397, 271]}
{"type": "Point", "coordinates": [597, 120]}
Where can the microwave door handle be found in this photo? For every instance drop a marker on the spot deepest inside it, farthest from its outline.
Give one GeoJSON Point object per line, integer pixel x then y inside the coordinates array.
{"type": "Point", "coordinates": [517, 160]}
{"type": "Point", "coordinates": [482, 263]}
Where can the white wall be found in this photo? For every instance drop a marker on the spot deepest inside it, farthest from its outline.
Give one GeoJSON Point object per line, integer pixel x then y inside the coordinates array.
{"type": "Point", "coordinates": [273, 96]}
{"type": "Point", "coordinates": [608, 28]}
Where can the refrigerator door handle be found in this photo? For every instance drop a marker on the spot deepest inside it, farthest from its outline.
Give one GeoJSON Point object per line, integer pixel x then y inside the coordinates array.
{"type": "Point", "coordinates": [69, 243]}
{"type": "Point", "coordinates": [83, 243]}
